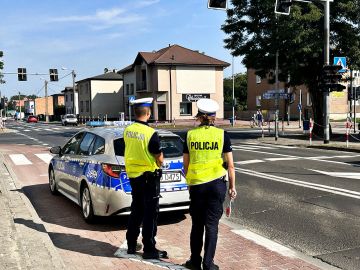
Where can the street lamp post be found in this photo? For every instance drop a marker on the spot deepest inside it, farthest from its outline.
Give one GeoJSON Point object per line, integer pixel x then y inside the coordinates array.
{"type": "Point", "coordinates": [326, 62]}
{"type": "Point", "coordinates": [233, 94]}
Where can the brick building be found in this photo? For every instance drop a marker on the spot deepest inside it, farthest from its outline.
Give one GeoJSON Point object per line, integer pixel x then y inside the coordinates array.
{"type": "Point", "coordinates": [256, 99]}
{"type": "Point", "coordinates": [54, 102]}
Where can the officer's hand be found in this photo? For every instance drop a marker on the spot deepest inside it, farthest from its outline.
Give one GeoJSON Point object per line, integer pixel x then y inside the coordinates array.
{"type": "Point", "coordinates": [232, 193]}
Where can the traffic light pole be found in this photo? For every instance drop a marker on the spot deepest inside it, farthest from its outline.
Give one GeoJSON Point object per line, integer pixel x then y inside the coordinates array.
{"type": "Point", "coordinates": [46, 102]}
{"type": "Point", "coordinates": [326, 62]}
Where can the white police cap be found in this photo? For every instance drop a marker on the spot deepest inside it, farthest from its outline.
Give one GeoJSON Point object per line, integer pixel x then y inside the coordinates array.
{"type": "Point", "coordinates": [207, 106]}
{"type": "Point", "coordinates": [142, 102]}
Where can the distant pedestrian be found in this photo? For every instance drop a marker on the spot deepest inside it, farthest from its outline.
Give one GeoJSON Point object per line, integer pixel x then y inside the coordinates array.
{"type": "Point", "coordinates": [259, 118]}
{"type": "Point", "coordinates": [204, 149]}
{"type": "Point", "coordinates": [143, 158]}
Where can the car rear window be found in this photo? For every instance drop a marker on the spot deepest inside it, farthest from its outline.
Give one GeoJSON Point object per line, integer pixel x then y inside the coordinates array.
{"type": "Point", "coordinates": [170, 146]}
{"type": "Point", "coordinates": [71, 116]}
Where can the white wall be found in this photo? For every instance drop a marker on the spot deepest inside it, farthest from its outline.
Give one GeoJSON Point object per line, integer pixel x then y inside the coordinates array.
{"type": "Point", "coordinates": [195, 80]}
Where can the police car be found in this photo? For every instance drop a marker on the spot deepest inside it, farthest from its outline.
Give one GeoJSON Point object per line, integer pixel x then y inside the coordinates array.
{"type": "Point", "coordinates": [90, 170]}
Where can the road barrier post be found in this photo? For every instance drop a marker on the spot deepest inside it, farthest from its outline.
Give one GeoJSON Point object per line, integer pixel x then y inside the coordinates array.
{"type": "Point", "coordinates": [174, 122]}
{"type": "Point", "coordinates": [310, 131]}
{"type": "Point", "coordinates": [347, 128]}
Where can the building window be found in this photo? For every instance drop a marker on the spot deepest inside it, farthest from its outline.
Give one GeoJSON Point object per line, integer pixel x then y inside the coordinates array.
{"type": "Point", "coordinates": [81, 106]}
{"type": "Point", "coordinates": [72, 97]}
{"type": "Point", "coordinates": [127, 89]}
{"type": "Point", "coordinates": [87, 106]}
{"type": "Point", "coordinates": [131, 89]}
{"type": "Point", "coordinates": [185, 108]}
{"type": "Point", "coordinates": [258, 79]}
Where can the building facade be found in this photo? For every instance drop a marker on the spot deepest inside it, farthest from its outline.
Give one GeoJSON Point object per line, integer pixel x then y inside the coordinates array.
{"type": "Point", "coordinates": [176, 77]}
{"type": "Point", "coordinates": [101, 96]}
{"type": "Point", "coordinates": [259, 95]}
{"type": "Point", "coordinates": [71, 100]}
{"type": "Point", "coordinates": [56, 104]}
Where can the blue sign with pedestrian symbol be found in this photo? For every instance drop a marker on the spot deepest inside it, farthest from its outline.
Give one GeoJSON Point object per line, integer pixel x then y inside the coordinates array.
{"type": "Point", "coordinates": [131, 98]}
{"type": "Point", "coordinates": [299, 107]}
{"type": "Point", "coordinates": [340, 61]}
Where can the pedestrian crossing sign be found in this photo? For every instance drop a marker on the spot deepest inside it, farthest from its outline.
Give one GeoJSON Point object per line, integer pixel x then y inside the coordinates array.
{"type": "Point", "coordinates": [340, 61]}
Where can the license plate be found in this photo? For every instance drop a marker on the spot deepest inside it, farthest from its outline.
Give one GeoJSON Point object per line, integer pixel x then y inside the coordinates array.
{"type": "Point", "coordinates": [170, 177]}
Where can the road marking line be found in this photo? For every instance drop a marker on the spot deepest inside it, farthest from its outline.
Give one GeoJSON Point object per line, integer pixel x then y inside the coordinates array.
{"type": "Point", "coordinates": [26, 130]}
{"type": "Point", "coordinates": [334, 190]}
{"type": "Point", "coordinates": [262, 152]}
{"type": "Point", "coordinates": [280, 158]}
{"type": "Point", "coordinates": [351, 175]}
{"type": "Point", "coordinates": [45, 157]}
{"type": "Point", "coordinates": [20, 159]}
{"type": "Point", "coordinates": [249, 161]}
{"type": "Point", "coordinates": [267, 243]}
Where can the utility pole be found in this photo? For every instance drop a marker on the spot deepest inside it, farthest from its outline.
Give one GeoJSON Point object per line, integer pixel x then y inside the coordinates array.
{"type": "Point", "coordinates": [46, 102]}
{"type": "Point", "coordinates": [233, 94]}
{"type": "Point", "coordinates": [300, 108]}
{"type": "Point", "coordinates": [326, 93]}
{"type": "Point", "coordinates": [74, 90]}
{"type": "Point", "coordinates": [277, 96]}
{"type": "Point", "coordinates": [19, 105]}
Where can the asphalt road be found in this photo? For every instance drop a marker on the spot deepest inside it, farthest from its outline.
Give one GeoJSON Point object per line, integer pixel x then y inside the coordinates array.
{"type": "Point", "coordinates": [307, 199]}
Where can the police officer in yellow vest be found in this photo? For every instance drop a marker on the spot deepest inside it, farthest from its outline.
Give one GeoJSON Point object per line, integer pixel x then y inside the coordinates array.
{"type": "Point", "coordinates": [143, 158]}
{"type": "Point", "coordinates": [205, 150]}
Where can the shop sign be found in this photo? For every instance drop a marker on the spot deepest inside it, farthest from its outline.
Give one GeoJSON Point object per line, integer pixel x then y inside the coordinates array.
{"type": "Point", "coordinates": [194, 97]}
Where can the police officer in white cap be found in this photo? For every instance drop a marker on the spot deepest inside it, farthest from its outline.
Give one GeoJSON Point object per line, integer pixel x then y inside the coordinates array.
{"type": "Point", "coordinates": [143, 160]}
{"type": "Point", "coordinates": [205, 149]}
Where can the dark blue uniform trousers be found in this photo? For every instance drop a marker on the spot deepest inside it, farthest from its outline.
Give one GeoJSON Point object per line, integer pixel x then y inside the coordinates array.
{"type": "Point", "coordinates": [206, 209]}
{"type": "Point", "coordinates": [144, 210]}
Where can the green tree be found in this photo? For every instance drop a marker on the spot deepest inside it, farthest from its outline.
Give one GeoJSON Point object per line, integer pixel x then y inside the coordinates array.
{"type": "Point", "coordinates": [256, 33]}
{"type": "Point", "coordinates": [32, 97]}
{"type": "Point", "coordinates": [240, 90]}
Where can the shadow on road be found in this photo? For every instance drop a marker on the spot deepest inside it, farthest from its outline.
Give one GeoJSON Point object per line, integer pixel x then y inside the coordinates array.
{"type": "Point", "coordinates": [61, 211]}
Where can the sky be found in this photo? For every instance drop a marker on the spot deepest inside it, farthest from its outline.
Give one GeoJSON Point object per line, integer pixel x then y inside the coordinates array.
{"type": "Point", "coordinates": [89, 35]}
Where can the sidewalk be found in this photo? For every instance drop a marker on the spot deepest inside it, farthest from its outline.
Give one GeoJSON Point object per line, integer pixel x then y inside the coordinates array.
{"type": "Point", "coordinates": [25, 242]}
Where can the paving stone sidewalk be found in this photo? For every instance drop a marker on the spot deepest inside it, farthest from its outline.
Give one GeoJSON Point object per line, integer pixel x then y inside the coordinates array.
{"type": "Point", "coordinates": [24, 241]}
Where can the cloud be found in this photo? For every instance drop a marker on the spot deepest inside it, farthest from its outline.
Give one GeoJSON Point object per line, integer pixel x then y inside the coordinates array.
{"type": "Point", "coordinates": [146, 3]}
{"type": "Point", "coordinates": [103, 19]}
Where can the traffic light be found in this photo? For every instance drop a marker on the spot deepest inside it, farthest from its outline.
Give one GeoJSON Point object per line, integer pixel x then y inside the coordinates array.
{"type": "Point", "coordinates": [283, 6]}
{"type": "Point", "coordinates": [53, 75]}
{"type": "Point", "coordinates": [330, 78]}
{"type": "Point", "coordinates": [22, 74]}
{"type": "Point", "coordinates": [217, 4]}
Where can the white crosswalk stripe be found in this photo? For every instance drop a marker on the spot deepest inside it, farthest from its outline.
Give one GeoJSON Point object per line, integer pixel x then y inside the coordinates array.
{"type": "Point", "coordinates": [19, 159]}
{"type": "Point", "coordinates": [45, 157]}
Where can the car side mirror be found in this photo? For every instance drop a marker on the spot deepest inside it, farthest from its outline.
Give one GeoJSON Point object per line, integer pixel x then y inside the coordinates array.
{"type": "Point", "coordinates": [55, 150]}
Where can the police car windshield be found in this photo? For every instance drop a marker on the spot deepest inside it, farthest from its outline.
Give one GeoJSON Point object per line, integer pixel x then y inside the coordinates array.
{"type": "Point", "coordinates": [170, 146]}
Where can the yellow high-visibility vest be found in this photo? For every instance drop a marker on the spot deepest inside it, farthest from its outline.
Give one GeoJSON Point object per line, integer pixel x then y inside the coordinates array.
{"type": "Point", "coordinates": [138, 159]}
{"type": "Point", "coordinates": [205, 144]}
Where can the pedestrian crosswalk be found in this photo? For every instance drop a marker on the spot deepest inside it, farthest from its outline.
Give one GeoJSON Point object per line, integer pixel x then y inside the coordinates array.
{"type": "Point", "coordinates": [30, 127]}
{"type": "Point", "coordinates": [259, 146]}
{"type": "Point", "coordinates": [29, 159]}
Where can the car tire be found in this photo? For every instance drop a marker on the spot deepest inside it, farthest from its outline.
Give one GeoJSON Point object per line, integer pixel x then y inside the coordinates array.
{"type": "Point", "coordinates": [65, 124]}
{"type": "Point", "coordinates": [86, 205]}
{"type": "Point", "coordinates": [52, 182]}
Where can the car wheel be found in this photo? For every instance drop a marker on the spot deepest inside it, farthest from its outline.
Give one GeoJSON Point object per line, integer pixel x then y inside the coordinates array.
{"type": "Point", "coordinates": [65, 124]}
{"type": "Point", "coordinates": [86, 205]}
{"type": "Point", "coordinates": [52, 183]}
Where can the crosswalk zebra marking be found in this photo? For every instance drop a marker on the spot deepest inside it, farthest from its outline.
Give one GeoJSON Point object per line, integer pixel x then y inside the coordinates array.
{"type": "Point", "coordinates": [251, 161]}
{"type": "Point", "coordinates": [45, 157]}
{"type": "Point", "coordinates": [19, 159]}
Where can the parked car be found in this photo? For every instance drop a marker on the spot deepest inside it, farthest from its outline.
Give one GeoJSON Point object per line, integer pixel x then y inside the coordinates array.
{"type": "Point", "coordinates": [32, 119]}
{"type": "Point", "coordinates": [69, 119]}
{"type": "Point", "coordinates": [90, 170]}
